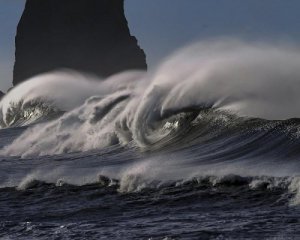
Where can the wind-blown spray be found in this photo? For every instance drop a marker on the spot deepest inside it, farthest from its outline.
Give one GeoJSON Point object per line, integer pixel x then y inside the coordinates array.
{"type": "Point", "coordinates": [243, 79]}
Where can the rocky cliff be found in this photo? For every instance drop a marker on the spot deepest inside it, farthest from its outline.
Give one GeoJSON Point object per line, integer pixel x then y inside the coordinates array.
{"type": "Point", "coordinates": [85, 35]}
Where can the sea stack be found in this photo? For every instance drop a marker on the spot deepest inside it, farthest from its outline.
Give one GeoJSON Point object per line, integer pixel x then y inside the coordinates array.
{"type": "Point", "coordinates": [85, 35]}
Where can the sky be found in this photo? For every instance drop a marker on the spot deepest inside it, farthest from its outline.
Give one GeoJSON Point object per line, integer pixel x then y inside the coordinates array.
{"type": "Point", "coordinates": [163, 26]}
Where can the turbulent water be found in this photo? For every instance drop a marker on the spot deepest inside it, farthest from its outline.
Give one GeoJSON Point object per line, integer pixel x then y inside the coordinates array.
{"type": "Point", "coordinates": [204, 147]}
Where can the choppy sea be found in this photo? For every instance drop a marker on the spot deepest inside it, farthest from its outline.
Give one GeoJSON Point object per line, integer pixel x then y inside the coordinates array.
{"type": "Point", "coordinates": [206, 146]}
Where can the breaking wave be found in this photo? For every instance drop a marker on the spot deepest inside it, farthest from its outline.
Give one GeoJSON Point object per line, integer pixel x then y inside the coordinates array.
{"type": "Point", "coordinates": [51, 94]}
{"type": "Point", "coordinates": [201, 92]}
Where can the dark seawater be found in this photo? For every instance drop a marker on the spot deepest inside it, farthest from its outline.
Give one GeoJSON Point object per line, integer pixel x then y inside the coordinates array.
{"type": "Point", "coordinates": [202, 206]}
{"type": "Point", "coordinates": [205, 147]}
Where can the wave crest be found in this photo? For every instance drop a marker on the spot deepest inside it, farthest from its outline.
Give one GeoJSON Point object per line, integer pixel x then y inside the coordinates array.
{"type": "Point", "coordinates": [226, 79]}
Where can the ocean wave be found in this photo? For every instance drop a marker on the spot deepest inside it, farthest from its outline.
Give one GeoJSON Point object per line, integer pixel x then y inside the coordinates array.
{"type": "Point", "coordinates": [208, 90]}
{"type": "Point", "coordinates": [212, 134]}
{"type": "Point", "coordinates": [52, 93]}
{"type": "Point", "coordinates": [283, 188]}
{"type": "Point", "coordinates": [20, 114]}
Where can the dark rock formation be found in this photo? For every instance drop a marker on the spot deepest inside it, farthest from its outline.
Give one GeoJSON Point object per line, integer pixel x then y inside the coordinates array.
{"type": "Point", "coordinates": [85, 35]}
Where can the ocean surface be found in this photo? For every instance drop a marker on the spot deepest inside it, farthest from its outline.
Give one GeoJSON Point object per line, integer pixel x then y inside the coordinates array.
{"type": "Point", "coordinates": [206, 146]}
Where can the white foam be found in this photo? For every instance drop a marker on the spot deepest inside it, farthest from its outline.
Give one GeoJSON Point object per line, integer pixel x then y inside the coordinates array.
{"type": "Point", "coordinates": [248, 79]}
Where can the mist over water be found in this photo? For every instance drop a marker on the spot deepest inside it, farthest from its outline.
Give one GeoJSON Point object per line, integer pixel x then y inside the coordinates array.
{"type": "Point", "coordinates": [252, 80]}
{"type": "Point", "coordinates": [207, 95]}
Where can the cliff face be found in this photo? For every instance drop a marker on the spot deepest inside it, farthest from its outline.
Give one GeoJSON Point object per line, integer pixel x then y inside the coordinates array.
{"type": "Point", "coordinates": [85, 35]}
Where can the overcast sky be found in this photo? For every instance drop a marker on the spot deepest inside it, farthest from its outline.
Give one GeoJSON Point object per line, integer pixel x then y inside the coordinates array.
{"type": "Point", "coordinates": [163, 26]}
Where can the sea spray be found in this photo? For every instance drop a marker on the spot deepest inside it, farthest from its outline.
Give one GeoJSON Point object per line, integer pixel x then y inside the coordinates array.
{"type": "Point", "coordinates": [249, 80]}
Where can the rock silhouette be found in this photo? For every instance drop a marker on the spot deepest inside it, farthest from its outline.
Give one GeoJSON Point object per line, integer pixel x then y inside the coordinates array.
{"type": "Point", "coordinates": [84, 35]}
